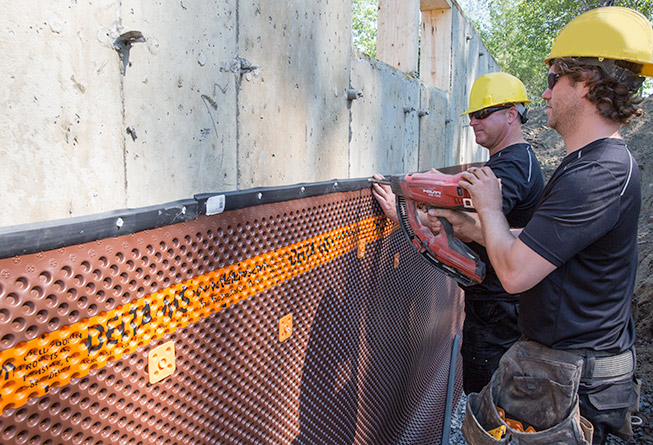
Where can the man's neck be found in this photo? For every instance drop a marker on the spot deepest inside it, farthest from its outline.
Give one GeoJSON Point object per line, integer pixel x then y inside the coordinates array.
{"type": "Point", "coordinates": [589, 129]}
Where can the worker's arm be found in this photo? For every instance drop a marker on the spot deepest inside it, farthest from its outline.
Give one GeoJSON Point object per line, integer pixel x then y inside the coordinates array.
{"type": "Point", "coordinates": [518, 267]}
{"type": "Point", "coordinates": [466, 226]}
{"type": "Point", "coordinates": [387, 200]}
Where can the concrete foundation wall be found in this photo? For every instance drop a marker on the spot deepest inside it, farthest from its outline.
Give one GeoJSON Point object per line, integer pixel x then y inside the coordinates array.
{"type": "Point", "coordinates": [435, 147]}
{"type": "Point", "coordinates": [61, 113]}
{"type": "Point", "coordinates": [384, 122]}
{"type": "Point", "coordinates": [293, 121]}
{"type": "Point", "coordinates": [179, 95]}
{"type": "Point", "coordinates": [206, 97]}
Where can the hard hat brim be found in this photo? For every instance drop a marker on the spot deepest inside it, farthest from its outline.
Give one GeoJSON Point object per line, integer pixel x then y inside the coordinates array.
{"type": "Point", "coordinates": [473, 109]}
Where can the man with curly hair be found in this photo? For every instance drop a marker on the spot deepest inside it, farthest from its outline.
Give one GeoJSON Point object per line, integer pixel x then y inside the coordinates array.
{"type": "Point", "coordinates": [574, 263]}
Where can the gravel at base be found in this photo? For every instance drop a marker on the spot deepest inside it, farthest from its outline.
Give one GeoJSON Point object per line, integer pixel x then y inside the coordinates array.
{"type": "Point", "coordinates": [457, 417]}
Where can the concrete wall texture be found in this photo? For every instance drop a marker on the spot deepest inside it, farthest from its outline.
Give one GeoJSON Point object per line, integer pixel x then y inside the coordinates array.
{"type": "Point", "coordinates": [210, 96]}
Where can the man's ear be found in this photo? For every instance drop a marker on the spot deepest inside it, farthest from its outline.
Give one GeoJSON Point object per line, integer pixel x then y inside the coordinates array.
{"type": "Point", "coordinates": [514, 114]}
{"type": "Point", "coordinates": [583, 89]}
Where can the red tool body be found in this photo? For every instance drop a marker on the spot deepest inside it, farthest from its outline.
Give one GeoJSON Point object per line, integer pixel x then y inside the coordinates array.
{"type": "Point", "coordinates": [444, 251]}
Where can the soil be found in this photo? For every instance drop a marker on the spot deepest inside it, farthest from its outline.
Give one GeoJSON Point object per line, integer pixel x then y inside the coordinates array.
{"type": "Point", "coordinates": [549, 148]}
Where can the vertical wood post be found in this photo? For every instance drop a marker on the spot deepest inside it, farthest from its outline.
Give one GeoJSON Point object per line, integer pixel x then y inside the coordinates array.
{"type": "Point", "coordinates": [398, 33]}
{"type": "Point", "coordinates": [435, 55]}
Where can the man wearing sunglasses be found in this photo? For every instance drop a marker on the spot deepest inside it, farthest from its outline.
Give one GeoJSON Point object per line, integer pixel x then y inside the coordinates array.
{"type": "Point", "coordinates": [574, 263]}
{"type": "Point", "coordinates": [496, 112]}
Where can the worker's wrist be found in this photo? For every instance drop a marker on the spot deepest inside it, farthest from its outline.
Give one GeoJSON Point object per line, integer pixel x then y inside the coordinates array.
{"type": "Point", "coordinates": [488, 212]}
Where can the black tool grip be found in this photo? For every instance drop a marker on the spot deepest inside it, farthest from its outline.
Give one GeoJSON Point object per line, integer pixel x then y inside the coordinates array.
{"type": "Point", "coordinates": [444, 251]}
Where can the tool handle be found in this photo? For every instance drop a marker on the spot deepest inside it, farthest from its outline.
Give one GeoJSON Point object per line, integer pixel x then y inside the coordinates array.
{"type": "Point", "coordinates": [446, 251]}
{"type": "Point", "coordinates": [454, 243]}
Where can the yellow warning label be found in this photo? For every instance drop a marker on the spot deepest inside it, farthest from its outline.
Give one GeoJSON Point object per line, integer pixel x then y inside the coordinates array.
{"type": "Point", "coordinates": [31, 368]}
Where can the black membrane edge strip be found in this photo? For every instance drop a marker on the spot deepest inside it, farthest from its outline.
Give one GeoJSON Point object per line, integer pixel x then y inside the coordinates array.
{"type": "Point", "coordinates": [31, 238]}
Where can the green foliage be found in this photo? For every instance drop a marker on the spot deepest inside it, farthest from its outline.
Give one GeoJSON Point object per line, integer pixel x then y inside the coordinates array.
{"type": "Point", "coordinates": [519, 33]}
{"type": "Point", "coordinates": [365, 14]}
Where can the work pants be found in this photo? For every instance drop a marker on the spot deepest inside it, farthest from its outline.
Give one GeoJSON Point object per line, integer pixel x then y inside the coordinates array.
{"type": "Point", "coordinates": [608, 401]}
{"type": "Point", "coordinates": [489, 330]}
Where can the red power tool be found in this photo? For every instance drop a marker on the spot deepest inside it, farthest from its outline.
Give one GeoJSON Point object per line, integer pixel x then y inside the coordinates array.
{"type": "Point", "coordinates": [444, 251]}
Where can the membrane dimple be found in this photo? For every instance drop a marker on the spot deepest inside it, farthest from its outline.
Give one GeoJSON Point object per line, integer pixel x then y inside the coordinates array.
{"type": "Point", "coordinates": [234, 380]}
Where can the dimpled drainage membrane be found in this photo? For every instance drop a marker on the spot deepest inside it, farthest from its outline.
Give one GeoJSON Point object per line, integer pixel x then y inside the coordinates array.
{"type": "Point", "coordinates": [366, 361]}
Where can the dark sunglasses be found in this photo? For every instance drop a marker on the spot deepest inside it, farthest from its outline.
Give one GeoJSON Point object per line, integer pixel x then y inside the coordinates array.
{"type": "Point", "coordinates": [552, 79]}
{"type": "Point", "coordinates": [485, 112]}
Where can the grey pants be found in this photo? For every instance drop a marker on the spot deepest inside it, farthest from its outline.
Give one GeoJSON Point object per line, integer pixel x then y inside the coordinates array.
{"type": "Point", "coordinates": [536, 385]}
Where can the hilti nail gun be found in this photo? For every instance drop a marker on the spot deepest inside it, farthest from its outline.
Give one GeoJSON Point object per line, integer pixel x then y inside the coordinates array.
{"type": "Point", "coordinates": [444, 251]}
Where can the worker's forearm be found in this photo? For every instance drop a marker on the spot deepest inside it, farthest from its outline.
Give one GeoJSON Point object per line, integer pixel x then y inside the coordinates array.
{"type": "Point", "coordinates": [471, 230]}
{"type": "Point", "coordinates": [499, 240]}
{"type": "Point", "coordinates": [474, 232]}
{"type": "Point", "coordinates": [516, 232]}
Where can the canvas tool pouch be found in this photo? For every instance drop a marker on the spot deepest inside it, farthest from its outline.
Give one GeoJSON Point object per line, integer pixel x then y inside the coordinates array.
{"type": "Point", "coordinates": [536, 385]}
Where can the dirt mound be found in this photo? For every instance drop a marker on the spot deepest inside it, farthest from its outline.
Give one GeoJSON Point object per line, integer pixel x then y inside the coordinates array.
{"type": "Point", "coordinates": [549, 147]}
{"type": "Point", "coordinates": [639, 137]}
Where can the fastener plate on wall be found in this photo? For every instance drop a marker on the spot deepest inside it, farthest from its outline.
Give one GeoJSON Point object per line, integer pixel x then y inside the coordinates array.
{"type": "Point", "coordinates": [285, 327]}
{"type": "Point", "coordinates": [161, 362]}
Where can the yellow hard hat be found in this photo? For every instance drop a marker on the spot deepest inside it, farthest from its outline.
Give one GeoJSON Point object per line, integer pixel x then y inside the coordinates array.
{"type": "Point", "coordinates": [611, 32]}
{"type": "Point", "coordinates": [495, 89]}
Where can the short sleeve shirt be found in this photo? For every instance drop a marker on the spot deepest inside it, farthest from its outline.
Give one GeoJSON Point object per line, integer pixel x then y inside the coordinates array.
{"type": "Point", "coordinates": [522, 184]}
{"type": "Point", "coordinates": [586, 225]}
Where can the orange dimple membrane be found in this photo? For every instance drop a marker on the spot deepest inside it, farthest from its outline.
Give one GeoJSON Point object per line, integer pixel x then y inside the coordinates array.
{"type": "Point", "coordinates": [31, 368]}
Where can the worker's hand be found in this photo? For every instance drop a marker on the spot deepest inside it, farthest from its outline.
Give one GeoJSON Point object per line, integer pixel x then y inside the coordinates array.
{"type": "Point", "coordinates": [385, 198]}
{"type": "Point", "coordinates": [461, 222]}
{"type": "Point", "coordinates": [484, 188]}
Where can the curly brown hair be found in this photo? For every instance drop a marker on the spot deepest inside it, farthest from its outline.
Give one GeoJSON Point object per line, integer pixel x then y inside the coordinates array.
{"type": "Point", "coordinates": [613, 85]}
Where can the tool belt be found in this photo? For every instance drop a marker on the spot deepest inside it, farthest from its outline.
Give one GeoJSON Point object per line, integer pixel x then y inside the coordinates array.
{"type": "Point", "coordinates": [598, 365]}
{"type": "Point", "coordinates": [534, 384]}
{"type": "Point", "coordinates": [608, 383]}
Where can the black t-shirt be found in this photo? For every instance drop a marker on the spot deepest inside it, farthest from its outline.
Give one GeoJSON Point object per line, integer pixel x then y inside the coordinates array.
{"type": "Point", "coordinates": [586, 225]}
{"type": "Point", "coordinates": [521, 187]}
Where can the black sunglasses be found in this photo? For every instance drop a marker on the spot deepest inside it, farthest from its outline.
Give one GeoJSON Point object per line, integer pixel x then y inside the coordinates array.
{"type": "Point", "coordinates": [485, 112]}
{"type": "Point", "coordinates": [552, 79]}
